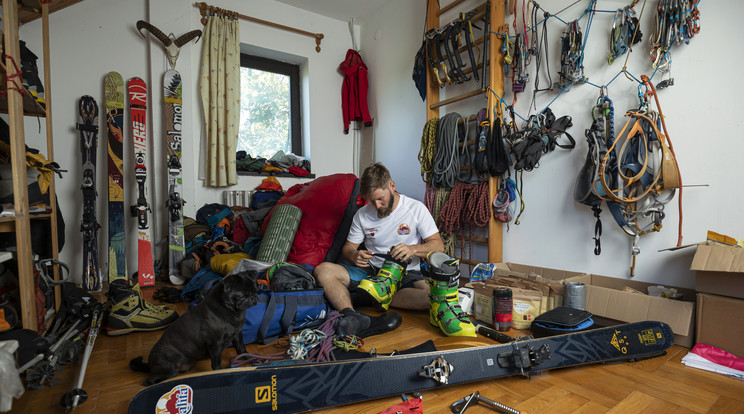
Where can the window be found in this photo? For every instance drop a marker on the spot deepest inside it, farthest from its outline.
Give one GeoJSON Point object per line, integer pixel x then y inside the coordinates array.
{"type": "Point", "coordinates": [269, 107]}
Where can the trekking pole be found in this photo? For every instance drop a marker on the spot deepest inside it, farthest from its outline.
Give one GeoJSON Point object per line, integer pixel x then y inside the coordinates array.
{"type": "Point", "coordinates": [71, 399]}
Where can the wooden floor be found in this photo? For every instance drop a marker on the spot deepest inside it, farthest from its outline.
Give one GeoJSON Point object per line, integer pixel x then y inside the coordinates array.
{"type": "Point", "coordinates": [658, 385]}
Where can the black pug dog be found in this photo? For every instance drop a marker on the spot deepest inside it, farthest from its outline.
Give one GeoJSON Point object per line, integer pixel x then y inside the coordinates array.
{"type": "Point", "coordinates": [204, 331]}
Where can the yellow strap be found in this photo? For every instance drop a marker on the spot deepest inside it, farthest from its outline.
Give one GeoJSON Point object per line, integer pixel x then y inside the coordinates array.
{"type": "Point", "coordinates": [172, 100]}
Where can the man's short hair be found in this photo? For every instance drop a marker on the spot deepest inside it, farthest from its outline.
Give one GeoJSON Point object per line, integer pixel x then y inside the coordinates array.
{"type": "Point", "coordinates": [374, 177]}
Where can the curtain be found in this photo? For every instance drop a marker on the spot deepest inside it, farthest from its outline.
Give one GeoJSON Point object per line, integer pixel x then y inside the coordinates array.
{"type": "Point", "coordinates": [219, 84]}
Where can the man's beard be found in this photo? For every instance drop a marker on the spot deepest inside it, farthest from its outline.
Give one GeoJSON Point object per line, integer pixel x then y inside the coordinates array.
{"type": "Point", "coordinates": [385, 211]}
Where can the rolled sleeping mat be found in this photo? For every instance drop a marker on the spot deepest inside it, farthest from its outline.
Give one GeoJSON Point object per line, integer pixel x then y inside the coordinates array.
{"type": "Point", "coordinates": [280, 234]}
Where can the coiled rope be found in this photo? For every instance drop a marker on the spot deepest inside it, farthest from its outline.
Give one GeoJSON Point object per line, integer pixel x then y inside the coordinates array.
{"type": "Point", "coordinates": [446, 160]}
{"type": "Point", "coordinates": [428, 149]}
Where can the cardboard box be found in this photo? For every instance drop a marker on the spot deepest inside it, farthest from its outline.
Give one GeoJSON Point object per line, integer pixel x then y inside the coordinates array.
{"type": "Point", "coordinates": [719, 270]}
{"type": "Point", "coordinates": [720, 323]}
{"type": "Point", "coordinates": [504, 269]}
{"type": "Point", "coordinates": [605, 297]}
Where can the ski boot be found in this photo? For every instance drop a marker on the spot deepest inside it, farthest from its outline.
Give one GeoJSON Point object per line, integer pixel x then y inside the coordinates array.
{"type": "Point", "coordinates": [444, 310]}
{"type": "Point", "coordinates": [131, 313]}
{"type": "Point", "coordinates": [381, 287]}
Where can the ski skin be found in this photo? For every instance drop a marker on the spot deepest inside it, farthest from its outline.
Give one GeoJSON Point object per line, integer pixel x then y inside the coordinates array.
{"type": "Point", "coordinates": [137, 89]}
{"type": "Point", "coordinates": [172, 102]}
{"type": "Point", "coordinates": [302, 387]}
{"type": "Point", "coordinates": [88, 127]}
{"type": "Point", "coordinates": [114, 93]}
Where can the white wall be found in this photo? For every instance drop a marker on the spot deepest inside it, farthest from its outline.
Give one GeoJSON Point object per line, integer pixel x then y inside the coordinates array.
{"type": "Point", "coordinates": [701, 113]}
{"type": "Point", "coordinates": [92, 38]}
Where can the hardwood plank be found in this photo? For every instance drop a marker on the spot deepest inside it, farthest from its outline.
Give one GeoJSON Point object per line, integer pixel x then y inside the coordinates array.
{"type": "Point", "coordinates": [727, 405]}
{"type": "Point", "coordinates": [639, 402]}
{"type": "Point", "coordinates": [552, 400]}
{"type": "Point", "coordinates": [667, 389]}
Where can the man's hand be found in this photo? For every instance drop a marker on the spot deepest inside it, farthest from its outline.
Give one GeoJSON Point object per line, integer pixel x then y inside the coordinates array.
{"type": "Point", "coordinates": [402, 252]}
{"type": "Point", "coordinates": [361, 258]}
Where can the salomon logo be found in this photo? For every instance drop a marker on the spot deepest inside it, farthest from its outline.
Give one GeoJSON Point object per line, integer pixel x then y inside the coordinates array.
{"type": "Point", "coordinates": [263, 394]}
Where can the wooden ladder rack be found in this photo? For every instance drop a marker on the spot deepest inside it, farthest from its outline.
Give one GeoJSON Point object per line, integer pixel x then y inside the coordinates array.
{"type": "Point", "coordinates": [495, 82]}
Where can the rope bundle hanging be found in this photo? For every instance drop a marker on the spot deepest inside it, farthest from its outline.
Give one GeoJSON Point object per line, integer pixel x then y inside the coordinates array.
{"type": "Point", "coordinates": [446, 159]}
{"type": "Point", "coordinates": [428, 149]}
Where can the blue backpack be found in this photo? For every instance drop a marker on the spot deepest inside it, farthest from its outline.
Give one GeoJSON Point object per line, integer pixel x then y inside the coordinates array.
{"type": "Point", "coordinates": [282, 313]}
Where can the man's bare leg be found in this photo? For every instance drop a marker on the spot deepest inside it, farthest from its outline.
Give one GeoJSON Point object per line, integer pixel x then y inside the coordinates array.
{"type": "Point", "coordinates": [334, 279]}
{"type": "Point", "coordinates": [415, 298]}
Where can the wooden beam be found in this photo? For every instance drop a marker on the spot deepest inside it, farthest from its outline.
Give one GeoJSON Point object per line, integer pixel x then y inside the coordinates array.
{"type": "Point", "coordinates": [50, 147]}
{"type": "Point", "coordinates": [457, 98]}
{"type": "Point", "coordinates": [432, 92]}
{"type": "Point", "coordinates": [496, 70]}
{"type": "Point", "coordinates": [18, 166]}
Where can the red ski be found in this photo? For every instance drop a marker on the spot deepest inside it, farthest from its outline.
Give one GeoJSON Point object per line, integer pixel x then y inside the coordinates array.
{"type": "Point", "coordinates": [138, 108]}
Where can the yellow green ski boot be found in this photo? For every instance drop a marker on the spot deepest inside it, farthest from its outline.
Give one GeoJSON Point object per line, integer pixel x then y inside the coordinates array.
{"type": "Point", "coordinates": [381, 287]}
{"type": "Point", "coordinates": [444, 309]}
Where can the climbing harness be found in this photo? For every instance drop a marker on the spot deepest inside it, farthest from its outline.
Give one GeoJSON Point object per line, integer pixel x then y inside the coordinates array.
{"type": "Point", "coordinates": [638, 173]}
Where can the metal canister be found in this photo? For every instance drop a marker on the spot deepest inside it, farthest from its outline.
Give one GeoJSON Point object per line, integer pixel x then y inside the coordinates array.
{"type": "Point", "coordinates": [502, 309]}
{"type": "Point", "coordinates": [575, 295]}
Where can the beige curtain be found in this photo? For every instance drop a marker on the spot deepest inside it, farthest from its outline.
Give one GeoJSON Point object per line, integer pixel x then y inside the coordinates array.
{"type": "Point", "coordinates": [220, 91]}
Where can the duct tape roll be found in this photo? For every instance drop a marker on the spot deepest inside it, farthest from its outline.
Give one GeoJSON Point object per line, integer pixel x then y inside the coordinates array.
{"type": "Point", "coordinates": [575, 295]}
{"type": "Point", "coordinates": [280, 234]}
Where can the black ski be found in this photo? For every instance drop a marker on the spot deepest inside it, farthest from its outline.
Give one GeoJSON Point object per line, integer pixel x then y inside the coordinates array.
{"type": "Point", "coordinates": [302, 387]}
{"type": "Point", "coordinates": [88, 127]}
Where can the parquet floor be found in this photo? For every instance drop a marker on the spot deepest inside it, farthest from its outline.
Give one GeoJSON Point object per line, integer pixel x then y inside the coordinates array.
{"type": "Point", "coordinates": [658, 385]}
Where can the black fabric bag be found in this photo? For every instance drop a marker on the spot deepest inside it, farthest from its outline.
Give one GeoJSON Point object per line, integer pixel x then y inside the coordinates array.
{"type": "Point", "coordinates": [561, 320]}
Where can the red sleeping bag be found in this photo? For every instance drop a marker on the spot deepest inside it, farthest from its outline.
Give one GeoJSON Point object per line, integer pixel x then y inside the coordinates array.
{"type": "Point", "coordinates": [324, 203]}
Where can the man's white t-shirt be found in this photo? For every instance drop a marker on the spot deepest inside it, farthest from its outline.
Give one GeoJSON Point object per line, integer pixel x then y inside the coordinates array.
{"type": "Point", "coordinates": [410, 223]}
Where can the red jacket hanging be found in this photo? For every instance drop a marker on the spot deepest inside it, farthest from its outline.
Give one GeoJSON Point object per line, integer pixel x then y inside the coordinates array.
{"type": "Point", "coordinates": [354, 90]}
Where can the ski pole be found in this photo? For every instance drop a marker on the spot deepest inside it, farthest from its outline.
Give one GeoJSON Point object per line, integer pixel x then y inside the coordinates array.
{"type": "Point", "coordinates": [71, 399]}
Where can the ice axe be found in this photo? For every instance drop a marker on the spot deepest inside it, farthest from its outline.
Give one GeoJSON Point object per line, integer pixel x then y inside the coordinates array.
{"type": "Point", "coordinates": [171, 43]}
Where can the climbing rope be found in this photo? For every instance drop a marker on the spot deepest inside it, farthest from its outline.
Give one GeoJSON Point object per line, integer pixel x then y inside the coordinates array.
{"type": "Point", "coordinates": [428, 148]}
{"type": "Point", "coordinates": [446, 160]}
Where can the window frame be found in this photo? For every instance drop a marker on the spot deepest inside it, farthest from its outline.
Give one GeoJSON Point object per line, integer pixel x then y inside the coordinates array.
{"type": "Point", "coordinates": [293, 71]}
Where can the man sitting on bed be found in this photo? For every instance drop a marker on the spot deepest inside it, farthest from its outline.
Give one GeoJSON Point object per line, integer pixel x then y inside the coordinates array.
{"type": "Point", "coordinates": [390, 223]}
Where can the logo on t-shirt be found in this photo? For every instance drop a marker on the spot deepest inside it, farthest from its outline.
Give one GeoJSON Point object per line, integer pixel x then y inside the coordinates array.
{"type": "Point", "coordinates": [371, 231]}
{"type": "Point", "coordinates": [404, 230]}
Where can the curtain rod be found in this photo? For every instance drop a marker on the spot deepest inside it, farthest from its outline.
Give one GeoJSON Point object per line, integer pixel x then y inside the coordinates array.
{"type": "Point", "coordinates": [203, 7]}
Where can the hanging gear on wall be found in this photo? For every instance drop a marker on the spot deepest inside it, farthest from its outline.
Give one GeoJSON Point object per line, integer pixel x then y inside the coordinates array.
{"type": "Point", "coordinates": [571, 48]}
{"type": "Point", "coordinates": [676, 21]}
{"type": "Point", "coordinates": [647, 174]}
{"type": "Point", "coordinates": [598, 136]}
{"type": "Point", "coordinates": [624, 33]}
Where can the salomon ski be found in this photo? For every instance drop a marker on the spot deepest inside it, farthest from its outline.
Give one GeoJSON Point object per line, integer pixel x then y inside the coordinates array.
{"type": "Point", "coordinates": [138, 110]}
{"type": "Point", "coordinates": [88, 127]}
{"type": "Point", "coordinates": [173, 122]}
{"type": "Point", "coordinates": [114, 92]}
{"type": "Point", "coordinates": [293, 388]}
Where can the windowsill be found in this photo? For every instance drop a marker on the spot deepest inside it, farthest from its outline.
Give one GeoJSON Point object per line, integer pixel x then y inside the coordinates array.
{"type": "Point", "coordinates": [273, 173]}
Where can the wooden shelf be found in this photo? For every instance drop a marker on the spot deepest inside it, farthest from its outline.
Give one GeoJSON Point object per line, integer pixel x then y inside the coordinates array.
{"type": "Point", "coordinates": [28, 14]}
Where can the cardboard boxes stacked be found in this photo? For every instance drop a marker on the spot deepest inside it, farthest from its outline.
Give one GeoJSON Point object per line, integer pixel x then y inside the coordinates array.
{"type": "Point", "coordinates": [608, 297]}
{"type": "Point", "coordinates": [719, 280]}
